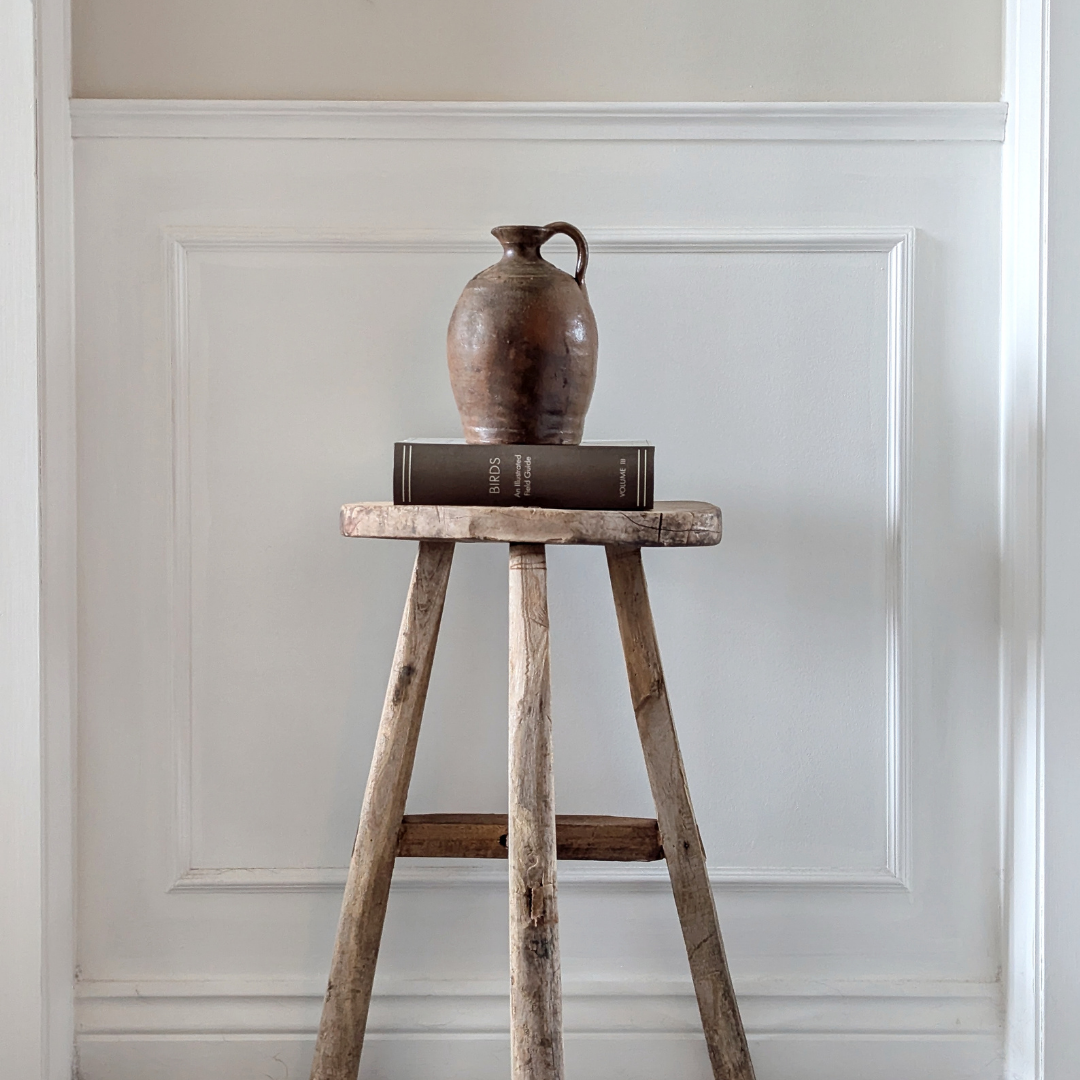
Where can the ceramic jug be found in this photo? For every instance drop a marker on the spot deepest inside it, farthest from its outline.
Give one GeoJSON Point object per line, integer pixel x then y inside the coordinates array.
{"type": "Point", "coordinates": [522, 344]}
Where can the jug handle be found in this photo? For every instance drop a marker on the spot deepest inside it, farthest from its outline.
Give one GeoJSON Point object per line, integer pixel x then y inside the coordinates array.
{"type": "Point", "coordinates": [567, 229]}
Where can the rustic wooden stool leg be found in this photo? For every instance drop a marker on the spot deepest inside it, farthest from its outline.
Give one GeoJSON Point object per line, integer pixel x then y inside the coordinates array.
{"type": "Point", "coordinates": [535, 980]}
{"type": "Point", "coordinates": [683, 850]}
{"type": "Point", "coordinates": [348, 993]}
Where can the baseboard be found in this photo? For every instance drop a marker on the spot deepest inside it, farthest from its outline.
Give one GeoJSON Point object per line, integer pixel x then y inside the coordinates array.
{"type": "Point", "coordinates": [239, 1007]}
{"type": "Point", "coordinates": [624, 1056]}
{"type": "Point", "coordinates": [615, 1030]}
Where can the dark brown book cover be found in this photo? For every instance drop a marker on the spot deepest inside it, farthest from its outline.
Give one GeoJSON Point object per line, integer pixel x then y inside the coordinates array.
{"type": "Point", "coordinates": [589, 476]}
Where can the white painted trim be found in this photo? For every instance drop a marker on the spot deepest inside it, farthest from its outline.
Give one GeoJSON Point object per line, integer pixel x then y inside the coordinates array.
{"type": "Point", "coordinates": [428, 874]}
{"type": "Point", "coordinates": [118, 1011]}
{"type": "Point", "coordinates": [1023, 314]}
{"type": "Point", "coordinates": [709, 121]}
{"type": "Point", "coordinates": [58, 529]}
{"type": "Point", "coordinates": [23, 937]}
{"type": "Point", "coordinates": [897, 244]}
{"type": "Point", "coordinates": [37, 551]}
{"type": "Point", "coordinates": [1060, 747]}
{"type": "Point", "coordinates": [901, 288]}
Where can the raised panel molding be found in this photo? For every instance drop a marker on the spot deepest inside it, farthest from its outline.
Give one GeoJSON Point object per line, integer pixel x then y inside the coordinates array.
{"type": "Point", "coordinates": [898, 246]}
{"type": "Point", "coordinates": [597, 121]}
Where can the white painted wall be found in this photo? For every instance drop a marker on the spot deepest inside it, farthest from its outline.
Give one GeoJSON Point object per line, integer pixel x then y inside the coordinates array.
{"type": "Point", "coordinates": [259, 317]}
{"type": "Point", "coordinates": [1062, 745]}
{"type": "Point", "coordinates": [558, 50]}
{"type": "Point", "coordinates": [267, 1019]}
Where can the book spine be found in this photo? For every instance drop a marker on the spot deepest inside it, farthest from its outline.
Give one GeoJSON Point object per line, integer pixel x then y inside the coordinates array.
{"type": "Point", "coordinates": [569, 477]}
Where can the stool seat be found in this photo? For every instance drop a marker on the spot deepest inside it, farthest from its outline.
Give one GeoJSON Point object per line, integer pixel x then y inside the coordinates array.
{"type": "Point", "coordinates": [668, 524]}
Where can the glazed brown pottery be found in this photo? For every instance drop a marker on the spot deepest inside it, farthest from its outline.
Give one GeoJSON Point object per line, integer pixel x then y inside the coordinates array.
{"type": "Point", "coordinates": [522, 344]}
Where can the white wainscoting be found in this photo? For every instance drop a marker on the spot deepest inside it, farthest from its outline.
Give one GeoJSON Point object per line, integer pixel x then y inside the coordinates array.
{"type": "Point", "coordinates": [895, 245]}
{"type": "Point", "coordinates": [800, 308]}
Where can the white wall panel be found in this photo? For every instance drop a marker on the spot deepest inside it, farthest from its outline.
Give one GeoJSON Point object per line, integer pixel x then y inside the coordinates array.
{"type": "Point", "coordinates": [806, 330]}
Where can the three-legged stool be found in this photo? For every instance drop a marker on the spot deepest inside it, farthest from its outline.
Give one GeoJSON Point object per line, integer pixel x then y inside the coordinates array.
{"type": "Point", "coordinates": [533, 837]}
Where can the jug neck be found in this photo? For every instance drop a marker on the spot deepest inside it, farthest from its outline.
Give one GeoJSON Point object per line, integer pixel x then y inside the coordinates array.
{"type": "Point", "coordinates": [521, 241]}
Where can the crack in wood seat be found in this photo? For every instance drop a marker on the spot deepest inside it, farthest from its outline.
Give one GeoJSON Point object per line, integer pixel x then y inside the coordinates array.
{"type": "Point", "coordinates": [668, 524]}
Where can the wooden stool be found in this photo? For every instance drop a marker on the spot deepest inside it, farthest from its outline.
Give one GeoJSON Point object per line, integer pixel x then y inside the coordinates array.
{"type": "Point", "coordinates": [533, 837]}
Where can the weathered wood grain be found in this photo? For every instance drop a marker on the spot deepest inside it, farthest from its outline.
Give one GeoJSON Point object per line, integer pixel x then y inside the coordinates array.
{"type": "Point", "coordinates": [683, 849]}
{"type": "Point", "coordinates": [536, 1049]}
{"type": "Point", "coordinates": [668, 524]}
{"type": "Point", "coordinates": [363, 909]}
{"type": "Point", "coordinates": [594, 837]}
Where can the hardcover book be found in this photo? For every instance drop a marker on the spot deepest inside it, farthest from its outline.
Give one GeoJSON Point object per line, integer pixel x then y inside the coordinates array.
{"type": "Point", "coordinates": [588, 476]}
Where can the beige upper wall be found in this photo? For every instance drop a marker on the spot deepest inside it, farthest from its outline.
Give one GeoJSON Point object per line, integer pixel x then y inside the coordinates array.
{"type": "Point", "coordinates": [540, 50]}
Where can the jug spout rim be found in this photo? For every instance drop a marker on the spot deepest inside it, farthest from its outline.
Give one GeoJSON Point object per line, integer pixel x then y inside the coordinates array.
{"type": "Point", "coordinates": [520, 236]}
